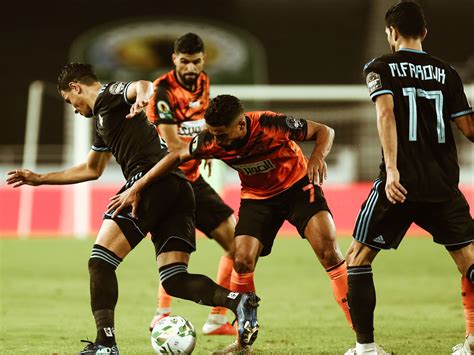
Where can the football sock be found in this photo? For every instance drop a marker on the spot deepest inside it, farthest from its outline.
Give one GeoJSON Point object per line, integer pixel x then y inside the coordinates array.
{"type": "Point", "coordinates": [338, 276]}
{"type": "Point", "coordinates": [164, 301]}
{"type": "Point", "coordinates": [242, 282]}
{"type": "Point", "coordinates": [104, 292]}
{"type": "Point", "coordinates": [361, 297]}
{"type": "Point", "coordinates": [223, 278]}
{"type": "Point", "coordinates": [467, 289]}
{"type": "Point", "coordinates": [195, 287]}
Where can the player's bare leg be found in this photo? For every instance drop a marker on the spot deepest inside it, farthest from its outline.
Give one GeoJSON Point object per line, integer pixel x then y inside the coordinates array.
{"type": "Point", "coordinates": [321, 235]}
{"type": "Point", "coordinates": [464, 259]}
{"type": "Point", "coordinates": [217, 322]}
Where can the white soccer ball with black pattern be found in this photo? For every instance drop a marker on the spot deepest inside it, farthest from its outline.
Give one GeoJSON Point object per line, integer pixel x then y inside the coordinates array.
{"type": "Point", "coordinates": [173, 335]}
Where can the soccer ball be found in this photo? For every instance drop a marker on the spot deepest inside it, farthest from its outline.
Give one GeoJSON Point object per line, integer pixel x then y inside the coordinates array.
{"type": "Point", "coordinates": [173, 335]}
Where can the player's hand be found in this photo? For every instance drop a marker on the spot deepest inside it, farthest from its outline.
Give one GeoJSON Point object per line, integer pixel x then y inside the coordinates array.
{"type": "Point", "coordinates": [119, 202]}
{"type": "Point", "coordinates": [21, 177]}
{"type": "Point", "coordinates": [208, 166]}
{"type": "Point", "coordinates": [137, 107]}
{"type": "Point", "coordinates": [317, 170]}
{"type": "Point", "coordinates": [393, 189]}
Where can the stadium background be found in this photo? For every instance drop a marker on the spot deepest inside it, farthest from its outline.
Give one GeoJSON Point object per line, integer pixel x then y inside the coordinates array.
{"type": "Point", "coordinates": [248, 42]}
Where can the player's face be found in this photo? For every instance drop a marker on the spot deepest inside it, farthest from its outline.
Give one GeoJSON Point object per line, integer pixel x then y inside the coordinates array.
{"type": "Point", "coordinates": [188, 67]}
{"type": "Point", "coordinates": [228, 137]}
{"type": "Point", "coordinates": [76, 99]}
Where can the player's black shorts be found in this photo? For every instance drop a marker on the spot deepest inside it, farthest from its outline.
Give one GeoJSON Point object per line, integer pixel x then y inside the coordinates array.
{"type": "Point", "coordinates": [263, 218]}
{"type": "Point", "coordinates": [166, 210]}
{"type": "Point", "coordinates": [211, 211]}
{"type": "Point", "coordinates": [382, 225]}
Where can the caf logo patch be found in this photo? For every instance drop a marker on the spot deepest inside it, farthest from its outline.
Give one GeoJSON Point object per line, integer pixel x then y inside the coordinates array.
{"type": "Point", "coordinates": [294, 123]}
{"type": "Point", "coordinates": [117, 88]}
{"type": "Point", "coordinates": [373, 82]}
{"type": "Point", "coordinates": [163, 106]}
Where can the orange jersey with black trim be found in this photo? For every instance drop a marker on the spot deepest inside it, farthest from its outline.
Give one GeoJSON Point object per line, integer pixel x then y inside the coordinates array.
{"type": "Point", "coordinates": [174, 104]}
{"type": "Point", "coordinates": [268, 159]}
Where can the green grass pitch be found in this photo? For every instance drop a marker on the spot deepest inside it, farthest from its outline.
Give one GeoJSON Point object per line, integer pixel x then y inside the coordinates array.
{"type": "Point", "coordinates": [44, 297]}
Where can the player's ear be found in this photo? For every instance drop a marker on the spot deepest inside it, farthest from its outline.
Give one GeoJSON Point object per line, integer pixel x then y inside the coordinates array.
{"type": "Point", "coordinates": [75, 87]}
{"type": "Point", "coordinates": [173, 57]}
{"type": "Point", "coordinates": [425, 32]}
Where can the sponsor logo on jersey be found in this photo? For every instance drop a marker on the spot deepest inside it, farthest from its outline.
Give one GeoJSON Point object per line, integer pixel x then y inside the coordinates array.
{"type": "Point", "coordinates": [373, 82]}
{"type": "Point", "coordinates": [294, 123]}
{"type": "Point", "coordinates": [101, 121]}
{"type": "Point", "coordinates": [191, 128]}
{"type": "Point", "coordinates": [194, 144]}
{"type": "Point", "coordinates": [255, 168]}
{"type": "Point", "coordinates": [117, 88]}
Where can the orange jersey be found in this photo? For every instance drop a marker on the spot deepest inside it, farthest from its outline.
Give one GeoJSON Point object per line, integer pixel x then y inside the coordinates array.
{"type": "Point", "coordinates": [268, 159]}
{"type": "Point", "coordinates": [174, 104]}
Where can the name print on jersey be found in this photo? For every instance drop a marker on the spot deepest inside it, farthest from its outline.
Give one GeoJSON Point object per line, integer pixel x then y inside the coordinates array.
{"type": "Point", "coordinates": [421, 72]}
{"type": "Point", "coordinates": [255, 168]}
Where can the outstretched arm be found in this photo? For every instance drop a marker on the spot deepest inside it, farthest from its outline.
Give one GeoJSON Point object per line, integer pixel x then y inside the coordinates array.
{"type": "Point", "coordinates": [131, 196]}
{"type": "Point", "coordinates": [90, 170]}
{"type": "Point", "coordinates": [387, 129]}
{"type": "Point", "coordinates": [323, 137]}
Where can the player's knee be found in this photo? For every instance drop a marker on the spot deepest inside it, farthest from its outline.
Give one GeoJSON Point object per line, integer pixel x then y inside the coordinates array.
{"type": "Point", "coordinates": [243, 263]}
{"type": "Point", "coordinates": [171, 277]}
{"type": "Point", "coordinates": [102, 258]}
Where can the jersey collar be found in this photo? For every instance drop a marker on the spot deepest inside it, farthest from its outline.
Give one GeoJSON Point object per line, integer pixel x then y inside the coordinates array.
{"type": "Point", "coordinates": [411, 50]}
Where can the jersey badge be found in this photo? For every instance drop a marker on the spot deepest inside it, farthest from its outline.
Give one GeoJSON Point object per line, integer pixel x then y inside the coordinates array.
{"type": "Point", "coordinates": [294, 123]}
{"type": "Point", "coordinates": [117, 88]}
{"type": "Point", "coordinates": [373, 82]}
{"type": "Point", "coordinates": [164, 110]}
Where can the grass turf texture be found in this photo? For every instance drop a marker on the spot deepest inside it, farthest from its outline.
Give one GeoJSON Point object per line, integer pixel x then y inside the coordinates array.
{"type": "Point", "coordinates": [44, 296]}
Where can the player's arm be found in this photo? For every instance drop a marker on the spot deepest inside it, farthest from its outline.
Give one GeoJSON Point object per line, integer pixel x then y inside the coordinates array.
{"type": "Point", "coordinates": [139, 92]}
{"type": "Point", "coordinates": [91, 169]}
{"type": "Point", "coordinates": [323, 137]}
{"type": "Point", "coordinates": [466, 125]}
{"type": "Point", "coordinates": [387, 129]}
{"type": "Point", "coordinates": [131, 196]}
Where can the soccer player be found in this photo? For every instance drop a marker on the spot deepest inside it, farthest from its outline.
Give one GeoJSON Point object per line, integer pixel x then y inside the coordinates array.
{"type": "Point", "coordinates": [177, 109]}
{"type": "Point", "coordinates": [278, 183]}
{"type": "Point", "coordinates": [416, 96]}
{"type": "Point", "coordinates": [166, 210]}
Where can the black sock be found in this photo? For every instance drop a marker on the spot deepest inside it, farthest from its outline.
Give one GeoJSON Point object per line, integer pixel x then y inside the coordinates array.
{"type": "Point", "coordinates": [361, 298]}
{"type": "Point", "coordinates": [177, 282]}
{"type": "Point", "coordinates": [104, 292]}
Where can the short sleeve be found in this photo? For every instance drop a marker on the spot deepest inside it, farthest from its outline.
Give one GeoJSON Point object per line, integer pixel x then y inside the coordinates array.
{"type": "Point", "coordinates": [457, 102]}
{"type": "Point", "coordinates": [160, 111]}
{"type": "Point", "coordinates": [99, 145]}
{"type": "Point", "coordinates": [377, 79]}
{"type": "Point", "coordinates": [287, 127]}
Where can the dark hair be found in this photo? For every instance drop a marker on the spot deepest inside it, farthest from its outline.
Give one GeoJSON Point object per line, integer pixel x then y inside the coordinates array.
{"type": "Point", "coordinates": [222, 110]}
{"type": "Point", "coordinates": [408, 18]}
{"type": "Point", "coordinates": [190, 43]}
{"type": "Point", "coordinates": [76, 72]}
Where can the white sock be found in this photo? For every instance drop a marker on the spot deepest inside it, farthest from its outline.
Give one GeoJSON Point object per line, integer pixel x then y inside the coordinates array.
{"type": "Point", "coordinates": [365, 348]}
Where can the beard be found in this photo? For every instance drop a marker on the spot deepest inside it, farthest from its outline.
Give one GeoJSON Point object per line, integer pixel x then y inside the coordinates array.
{"type": "Point", "coordinates": [189, 79]}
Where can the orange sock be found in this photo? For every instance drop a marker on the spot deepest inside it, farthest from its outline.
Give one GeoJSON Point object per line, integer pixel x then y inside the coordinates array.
{"type": "Point", "coordinates": [468, 302]}
{"type": "Point", "coordinates": [242, 282]}
{"type": "Point", "coordinates": [164, 301]}
{"type": "Point", "coordinates": [338, 276]}
{"type": "Point", "coordinates": [223, 278]}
